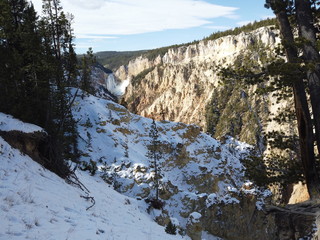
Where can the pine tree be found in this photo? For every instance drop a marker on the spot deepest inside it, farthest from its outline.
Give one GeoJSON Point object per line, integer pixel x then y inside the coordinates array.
{"type": "Point", "coordinates": [24, 84]}
{"type": "Point", "coordinates": [58, 38]}
{"type": "Point", "coordinates": [171, 228]}
{"type": "Point", "coordinates": [154, 154]}
{"type": "Point", "coordinates": [307, 31]}
{"type": "Point", "coordinates": [126, 147]}
{"type": "Point", "coordinates": [283, 9]}
{"type": "Point", "coordinates": [28, 76]}
{"type": "Point", "coordinates": [87, 61]}
{"type": "Point", "coordinates": [70, 56]}
{"type": "Point", "coordinates": [289, 77]}
{"type": "Point", "coordinates": [8, 57]}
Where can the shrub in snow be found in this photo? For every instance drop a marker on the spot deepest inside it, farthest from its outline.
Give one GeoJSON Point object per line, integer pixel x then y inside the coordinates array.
{"type": "Point", "coordinates": [155, 203]}
{"type": "Point", "coordinates": [91, 167]}
{"type": "Point", "coordinates": [171, 228]}
{"type": "Point", "coordinates": [88, 124]}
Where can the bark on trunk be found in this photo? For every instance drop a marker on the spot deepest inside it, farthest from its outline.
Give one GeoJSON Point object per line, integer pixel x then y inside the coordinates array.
{"type": "Point", "coordinates": [305, 127]}
{"type": "Point", "coordinates": [311, 55]}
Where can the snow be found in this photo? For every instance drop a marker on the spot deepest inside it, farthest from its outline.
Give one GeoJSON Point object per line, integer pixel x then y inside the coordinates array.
{"type": "Point", "coordinates": [207, 236]}
{"type": "Point", "coordinates": [8, 123]}
{"type": "Point", "coordinates": [175, 221]}
{"type": "Point", "coordinates": [117, 141]}
{"type": "Point", "coordinates": [195, 217]}
{"type": "Point", "coordinates": [212, 199]}
{"type": "Point", "coordinates": [37, 204]}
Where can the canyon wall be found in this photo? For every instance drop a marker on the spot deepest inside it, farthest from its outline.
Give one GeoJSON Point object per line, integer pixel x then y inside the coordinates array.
{"type": "Point", "coordinates": [183, 85]}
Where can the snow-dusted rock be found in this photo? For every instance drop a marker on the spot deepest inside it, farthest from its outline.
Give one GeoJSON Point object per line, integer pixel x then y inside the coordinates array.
{"type": "Point", "coordinates": [197, 172]}
{"type": "Point", "coordinates": [194, 226]}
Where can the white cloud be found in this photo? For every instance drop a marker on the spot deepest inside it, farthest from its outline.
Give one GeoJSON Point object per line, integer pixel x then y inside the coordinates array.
{"type": "Point", "coordinates": [125, 17]}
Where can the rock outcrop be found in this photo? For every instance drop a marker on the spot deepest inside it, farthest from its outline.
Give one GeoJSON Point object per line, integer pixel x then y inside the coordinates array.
{"type": "Point", "coordinates": [27, 143]}
{"type": "Point", "coordinates": [202, 182]}
{"type": "Point", "coordinates": [183, 84]}
{"type": "Point", "coordinates": [40, 147]}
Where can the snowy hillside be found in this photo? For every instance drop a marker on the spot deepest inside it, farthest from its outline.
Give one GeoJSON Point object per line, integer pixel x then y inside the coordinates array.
{"type": "Point", "coordinates": [198, 176]}
{"type": "Point", "coordinates": [197, 171]}
{"type": "Point", "coordinates": [37, 204]}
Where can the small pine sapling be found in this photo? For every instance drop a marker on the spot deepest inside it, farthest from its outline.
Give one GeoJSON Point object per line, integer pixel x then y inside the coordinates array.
{"type": "Point", "coordinates": [171, 228]}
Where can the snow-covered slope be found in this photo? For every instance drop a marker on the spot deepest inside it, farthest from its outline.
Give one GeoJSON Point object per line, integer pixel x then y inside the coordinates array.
{"type": "Point", "coordinates": [8, 123]}
{"type": "Point", "coordinates": [197, 171]}
{"type": "Point", "coordinates": [199, 178]}
{"type": "Point", "coordinates": [37, 204]}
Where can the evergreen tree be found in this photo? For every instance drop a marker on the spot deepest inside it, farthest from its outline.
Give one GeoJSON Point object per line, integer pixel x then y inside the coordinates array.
{"type": "Point", "coordinates": [171, 228]}
{"type": "Point", "coordinates": [30, 71]}
{"type": "Point", "coordinates": [154, 154]}
{"type": "Point", "coordinates": [289, 77]}
{"type": "Point", "coordinates": [70, 55]}
{"type": "Point", "coordinates": [24, 84]}
{"type": "Point", "coordinates": [283, 9]}
{"type": "Point", "coordinates": [87, 61]}
{"type": "Point", "coordinates": [126, 147]}
{"type": "Point", "coordinates": [307, 32]}
{"type": "Point", "coordinates": [58, 39]}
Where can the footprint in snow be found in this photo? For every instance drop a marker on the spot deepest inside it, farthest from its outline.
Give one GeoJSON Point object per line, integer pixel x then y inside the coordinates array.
{"type": "Point", "coordinates": [70, 210]}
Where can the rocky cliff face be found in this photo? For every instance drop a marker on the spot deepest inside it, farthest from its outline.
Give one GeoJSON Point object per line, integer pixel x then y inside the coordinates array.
{"type": "Point", "coordinates": [183, 84]}
{"type": "Point", "coordinates": [201, 180]}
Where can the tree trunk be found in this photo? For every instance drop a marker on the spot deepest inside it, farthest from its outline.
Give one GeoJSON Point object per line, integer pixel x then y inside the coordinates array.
{"type": "Point", "coordinates": [156, 178]}
{"type": "Point", "coordinates": [305, 127]}
{"type": "Point", "coordinates": [311, 55]}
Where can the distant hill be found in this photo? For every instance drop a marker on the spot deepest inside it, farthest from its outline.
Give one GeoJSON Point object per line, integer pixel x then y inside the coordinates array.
{"type": "Point", "coordinates": [113, 60]}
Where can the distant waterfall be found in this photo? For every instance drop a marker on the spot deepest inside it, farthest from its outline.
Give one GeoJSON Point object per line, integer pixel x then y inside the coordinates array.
{"type": "Point", "coordinates": [115, 87]}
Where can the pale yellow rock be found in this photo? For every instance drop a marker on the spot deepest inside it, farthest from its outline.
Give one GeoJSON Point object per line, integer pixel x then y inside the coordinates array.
{"type": "Point", "coordinates": [299, 194]}
{"type": "Point", "coordinates": [181, 83]}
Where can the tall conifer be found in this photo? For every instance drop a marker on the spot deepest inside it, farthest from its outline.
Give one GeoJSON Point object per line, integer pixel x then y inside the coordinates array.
{"type": "Point", "coordinates": [59, 41]}
{"type": "Point", "coordinates": [154, 154]}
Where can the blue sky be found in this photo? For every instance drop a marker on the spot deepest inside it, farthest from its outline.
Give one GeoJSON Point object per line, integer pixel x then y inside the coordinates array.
{"type": "Point", "coordinates": [127, 25]}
